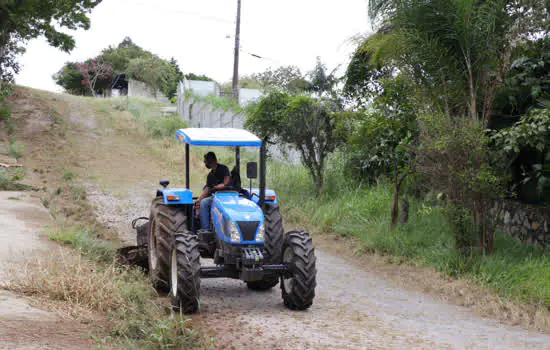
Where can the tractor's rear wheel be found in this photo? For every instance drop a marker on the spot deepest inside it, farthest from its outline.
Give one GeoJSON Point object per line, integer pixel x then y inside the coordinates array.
{"type": "Point", "coordinates": [164, 222]}
{"type": "Point", "coordinates": [273, 245]}
{"type": "Point", "coordinates": [185, 273]}
{"type": "Point", "coordinates": [299, 255]}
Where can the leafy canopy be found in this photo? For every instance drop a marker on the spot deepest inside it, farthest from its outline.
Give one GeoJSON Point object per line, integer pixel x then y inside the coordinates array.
{"type": "Point", "coordinates": [23, 20]}
{"type": "Point", "coordinates": [310, 125]}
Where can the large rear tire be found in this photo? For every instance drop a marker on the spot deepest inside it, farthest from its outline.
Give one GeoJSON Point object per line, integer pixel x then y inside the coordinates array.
{"type": "Point", "coordinates": [298, 291]}
{"type": "Point", "coordinates": [273, 245]}
{"type": "Point", "coordinates": [185, 273]}
{"type": "Point", "coordinates": [164, 222]}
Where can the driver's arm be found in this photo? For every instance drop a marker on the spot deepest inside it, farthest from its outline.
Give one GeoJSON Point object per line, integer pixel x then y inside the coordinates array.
{"type": "Point", "coordinates": [226, 181]}
{"type": "Point", "coordinates": [204, 193]}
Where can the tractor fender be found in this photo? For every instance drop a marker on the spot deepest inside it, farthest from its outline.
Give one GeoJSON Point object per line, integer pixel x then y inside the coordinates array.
{"type": "Point", "coordinates": [175, 196]}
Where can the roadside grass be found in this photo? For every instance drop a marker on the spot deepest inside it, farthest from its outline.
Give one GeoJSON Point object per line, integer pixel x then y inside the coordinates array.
{"type": "Point", "coordinates": [9, 178]}
{"type": "Point", "coordinates": [67, 175]}
{"type": "Point", "coordinates": [81, 238]}
{"type": "Point", "coordinates": [516, 271]}
{"type": "Point", "coordinates": [15, 148]}
{"type": "Point", "coordinates": [122, 295]}
{"type": "Point", "coordinates": [142, 120]}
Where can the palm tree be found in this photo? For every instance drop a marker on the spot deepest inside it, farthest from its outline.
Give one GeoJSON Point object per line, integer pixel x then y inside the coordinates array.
{"type": "Point", "coordinates": [461, 46]}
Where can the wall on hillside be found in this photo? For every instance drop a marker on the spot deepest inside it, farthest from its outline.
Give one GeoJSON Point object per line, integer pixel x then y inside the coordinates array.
{"type": "Point", "coordinates": [203, 115]}
{"type": "Point", "coordinates": [528, 223]}
{"type": "Point", "coordinates": [140, 89]}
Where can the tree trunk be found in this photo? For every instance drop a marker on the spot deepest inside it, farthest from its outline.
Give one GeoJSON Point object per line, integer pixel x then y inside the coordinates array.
{"type": "Point", "coordinates": [404, 215]}
{"type": "Point", "coordinates": [473, 108]}
{"type": "Point", "coordinates": [395, 206]}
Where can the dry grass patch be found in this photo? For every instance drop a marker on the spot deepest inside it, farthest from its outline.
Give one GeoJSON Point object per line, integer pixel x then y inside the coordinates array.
{"type": "Point", "coordinates": [122, 297]}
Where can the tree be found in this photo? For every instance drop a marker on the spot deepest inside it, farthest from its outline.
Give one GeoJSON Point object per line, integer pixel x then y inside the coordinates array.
{"type": "Point", "coordinates": [177, 77]}
{"type": "Point", "coordinates": [126, 57]}
{"type": "Point", "coordinates": [321, 81]}
{"type": "Point", "coordinates": [308, 124]}
{"type": "Point", "coordinates": [200, 77]}
{"type": "Point", "coordinates": [456, 53]}
{"type": "Point", "coordinates": [530, 134]}
{"type": "Point", "coordinates": [362, 81]}
{"type": "Point", "coordinates": [22, 20]}
{"type": "Point", "coordinates": [70, 79]}
{"type": "Point", "coordinates": [95, 71]}
{"type": "Point", "coordinates": [287, 78]}
{"type": "Point", "coordinates": [153, 71]}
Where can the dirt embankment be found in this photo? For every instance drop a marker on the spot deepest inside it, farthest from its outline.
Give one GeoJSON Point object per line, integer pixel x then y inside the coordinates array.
{"type": "Point", "coordinates": [359, 303]}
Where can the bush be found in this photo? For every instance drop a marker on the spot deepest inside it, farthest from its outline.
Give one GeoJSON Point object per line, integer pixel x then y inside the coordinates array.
{"type": "Point", "coordinates": [455, 158]}
{"type": "Point", "coordinates": [165, 126]}
{"type": "Point", "coordinates": [16, 149]}
{"type": "Point", "coordinates": [8, 178]}
{"type": "Point", "coordinates": [514, 270]}
{"type": "Point", "coordinates": [68, 175]}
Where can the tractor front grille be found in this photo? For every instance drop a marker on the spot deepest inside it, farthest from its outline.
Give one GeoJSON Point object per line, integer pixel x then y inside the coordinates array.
{"type": "Point", "coordinates": [248, 229]}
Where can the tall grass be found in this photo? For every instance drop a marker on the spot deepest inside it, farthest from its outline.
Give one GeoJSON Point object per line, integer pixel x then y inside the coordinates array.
{"type": "Point", "coordinates": [515, 270]}
{"type": "Point", "coordinates": [124, 295]}
{"type": "Point", "coordinates": [147, 113]}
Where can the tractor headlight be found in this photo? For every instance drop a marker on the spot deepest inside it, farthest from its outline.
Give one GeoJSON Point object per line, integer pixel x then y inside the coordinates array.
{"type": "Point", "coordinates": [235, 236]}
{"type": "Point", "coordinates": [260, 236]}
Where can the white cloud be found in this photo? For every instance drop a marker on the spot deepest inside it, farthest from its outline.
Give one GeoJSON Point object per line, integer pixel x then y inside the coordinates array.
{"type": "Point", "coordinates": [284, 32]}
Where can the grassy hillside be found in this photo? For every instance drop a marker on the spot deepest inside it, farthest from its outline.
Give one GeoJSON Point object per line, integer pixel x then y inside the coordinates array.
{"type": "Point", "coordinates": [76, 148]}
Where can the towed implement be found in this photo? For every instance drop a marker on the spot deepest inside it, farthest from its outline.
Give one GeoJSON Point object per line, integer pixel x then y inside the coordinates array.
{"type": "Point", "coordinates": [246, 239]}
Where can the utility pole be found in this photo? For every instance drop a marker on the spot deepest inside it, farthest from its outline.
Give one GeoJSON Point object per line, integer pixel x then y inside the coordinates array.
{"type": "Point", "coordinates": [236, 61]}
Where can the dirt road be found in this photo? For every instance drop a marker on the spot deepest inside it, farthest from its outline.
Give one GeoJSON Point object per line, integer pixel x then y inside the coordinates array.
{"type": "Point", "coordinates": [355, 306]}
{"type": "Point", "coordinates": [22, 325]}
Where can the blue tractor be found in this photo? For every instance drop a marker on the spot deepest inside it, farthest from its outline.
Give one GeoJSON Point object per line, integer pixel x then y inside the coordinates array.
{"type": "Point", "coordinates": [246, 239]}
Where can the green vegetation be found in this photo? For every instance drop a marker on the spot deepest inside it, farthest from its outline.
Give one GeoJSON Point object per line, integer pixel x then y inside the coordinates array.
{"type": "Point", "coordinates": [26, 20]}
{"type": "Point", "coordinates": [95, 75]}
{"type": "Point", "coordinates": [68, 175]}
{"type": "Point", "coordinates": [223, 102]}
{"type": "Point", "coordinates": [148, 114]}
{"type": "Point", "coordinates": [9, 178]}
{"type": "Point", "coordinates": [515, 270]}
{"type": "Point", "coordinates": [94, 283]}
{"type": "Point", "coordinates": [16, 148]}
{"type": "Point", "coordinates": [82, 239]}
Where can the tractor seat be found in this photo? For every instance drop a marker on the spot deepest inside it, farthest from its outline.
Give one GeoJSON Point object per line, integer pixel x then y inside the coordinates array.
{"type": "Point", "coordinates": [236, 178]}
{"type": "Point", "coordinates": [236, 182]}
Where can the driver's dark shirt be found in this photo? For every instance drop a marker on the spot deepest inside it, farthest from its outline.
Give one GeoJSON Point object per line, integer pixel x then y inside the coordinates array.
{"type": "Point", "coordinates": [215, 177]}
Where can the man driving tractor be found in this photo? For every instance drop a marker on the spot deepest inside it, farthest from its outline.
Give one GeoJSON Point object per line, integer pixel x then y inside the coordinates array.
{"type": "Point", "coordinates": [218, 177]}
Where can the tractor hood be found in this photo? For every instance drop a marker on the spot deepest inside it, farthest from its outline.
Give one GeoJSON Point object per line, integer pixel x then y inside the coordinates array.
{"type": "Point", "coordinates": [237, 208]}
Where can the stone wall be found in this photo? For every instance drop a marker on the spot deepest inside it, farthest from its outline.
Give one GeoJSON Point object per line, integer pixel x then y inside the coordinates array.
{"type": "Point", "coordinates": [528, 223]}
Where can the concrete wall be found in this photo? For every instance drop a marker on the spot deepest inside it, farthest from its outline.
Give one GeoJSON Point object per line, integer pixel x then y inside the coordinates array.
{"type": "Point", "coordinates": [140, 89]}
{"type": "Point", "coordinates": [248, 95]}
{"type": "Point", "coordinates": [528, 223]}
{"type": "Point", "coordinates": [203, 115]}
{"type": "Point", "coordinates": [202, 88]}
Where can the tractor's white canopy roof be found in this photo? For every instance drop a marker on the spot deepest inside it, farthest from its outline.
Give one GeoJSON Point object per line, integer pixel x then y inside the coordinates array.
{"type": "Point", "coordinates": [217, 137]}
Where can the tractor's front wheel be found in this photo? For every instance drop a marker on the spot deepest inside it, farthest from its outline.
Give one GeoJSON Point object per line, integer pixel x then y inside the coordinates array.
{"type": "Point", "coordinates": [185, 273]}
{"type": "Point", "coordinates": [165, 221]}
{"type": "Point", "coordinates": [156, 273]}
{"type": "Point", "coordinates": [273, 245]}
{"type": "Point", "coordinates": [299, 255]}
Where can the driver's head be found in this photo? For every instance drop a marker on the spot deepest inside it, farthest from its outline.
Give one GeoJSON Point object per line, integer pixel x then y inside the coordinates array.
{"type": "Point", "coordinates": [210, 160]}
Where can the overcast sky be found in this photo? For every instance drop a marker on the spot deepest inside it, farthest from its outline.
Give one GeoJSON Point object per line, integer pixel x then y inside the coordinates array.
{"type": "Point", "coordinates": [284, 32]}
